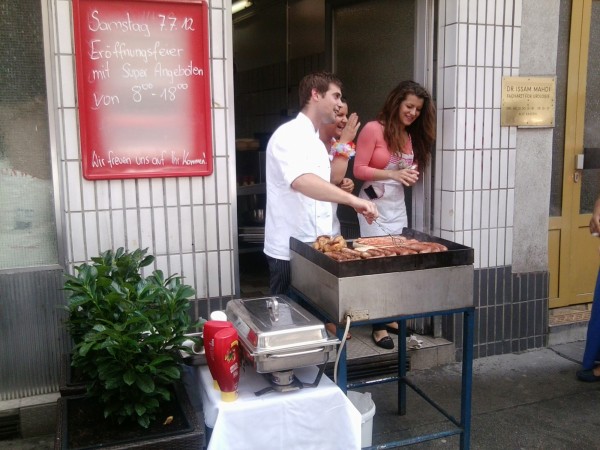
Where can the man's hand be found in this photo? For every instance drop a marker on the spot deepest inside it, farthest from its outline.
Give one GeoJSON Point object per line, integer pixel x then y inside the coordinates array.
{"type": "Point", "coordinates": [366, 208]}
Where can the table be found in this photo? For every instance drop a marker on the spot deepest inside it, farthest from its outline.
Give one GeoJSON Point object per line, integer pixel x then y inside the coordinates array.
{"type": "Point", "coordinates": [462, 426]}
{"type": "Point", "coordinates": [310, 418]}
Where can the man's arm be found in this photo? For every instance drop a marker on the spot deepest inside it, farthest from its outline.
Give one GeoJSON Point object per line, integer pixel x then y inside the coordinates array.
{"type": "Point", "coordinates": [316, 188]}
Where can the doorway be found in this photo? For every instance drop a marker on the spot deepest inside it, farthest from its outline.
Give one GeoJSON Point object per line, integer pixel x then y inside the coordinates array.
{"type": "Point", "coordinates": [396, 41]}
{"type": "Point", "coordinates": [372, 45]}
{"type": "Point", "coordinates": [573, 253]}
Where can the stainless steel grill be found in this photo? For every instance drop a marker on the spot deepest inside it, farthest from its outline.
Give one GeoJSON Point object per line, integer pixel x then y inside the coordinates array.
{"type": "Point", "coordinates": [379, 288]}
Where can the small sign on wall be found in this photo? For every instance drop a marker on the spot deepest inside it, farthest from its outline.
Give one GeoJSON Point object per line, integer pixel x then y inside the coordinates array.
{"type": "Point", "coordinates": [528, 101]}
{"type": "Point", "coordinates": [143, 88]}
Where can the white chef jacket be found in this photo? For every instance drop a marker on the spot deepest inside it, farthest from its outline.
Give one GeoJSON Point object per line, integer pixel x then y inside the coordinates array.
{"type": "Point", "coordinates": [293, 150]}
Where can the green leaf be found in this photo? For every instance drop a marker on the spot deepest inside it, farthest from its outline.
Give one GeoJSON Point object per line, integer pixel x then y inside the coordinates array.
{"type": "Point", "coordinates": [128, 409]}
{"type": "Point", "coordinates": [129, 377]}
{"type": "Point", "coordinates": [140, 409]}
{"type": "Point", "coordinates": [152, 403]}
{"type": "Point", "coordinates": [160, 359]}
{"type": "Point", "coordinates": [112, 383]}
{"type": "Point", "coordinates": [172, 372]}
{"type": "Point", "coordinates": [147, 261]}
{"type": "Point", "coordinates": [85, 348]}
{"type": "Point", "coordinates": [99, 328]}
{"type": "Point", "coordinates": [164, 393]}
{"type": "Point", "coordinates": [110, 409]}
{"type": "Point", "coordinates": [144, 421]}
{"type": "Point", "coordinates": [145, 383]}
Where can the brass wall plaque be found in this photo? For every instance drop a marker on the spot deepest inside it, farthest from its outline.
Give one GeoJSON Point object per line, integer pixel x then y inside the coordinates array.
{"type": "Point", "coordinates": [528, 101]}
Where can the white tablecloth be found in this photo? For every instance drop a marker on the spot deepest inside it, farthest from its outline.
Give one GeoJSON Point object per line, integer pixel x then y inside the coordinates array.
{"type": "Point", "coordinates": [310, 418]}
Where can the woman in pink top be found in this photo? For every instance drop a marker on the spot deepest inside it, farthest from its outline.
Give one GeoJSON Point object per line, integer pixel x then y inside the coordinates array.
{"type": "Point", "coordinates": [390, 153]}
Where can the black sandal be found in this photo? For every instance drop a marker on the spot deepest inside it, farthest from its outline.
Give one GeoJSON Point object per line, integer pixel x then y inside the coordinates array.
{"type": "Point", "coordinates": [393, 330]}
{"type": "Point", "coordinates": [385, 342]}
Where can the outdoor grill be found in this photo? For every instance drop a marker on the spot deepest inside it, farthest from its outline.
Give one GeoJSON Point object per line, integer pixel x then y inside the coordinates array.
{"type": "Point", "coordinates": [378, 288]}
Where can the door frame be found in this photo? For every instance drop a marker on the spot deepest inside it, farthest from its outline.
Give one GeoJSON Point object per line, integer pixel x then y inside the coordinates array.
{"type": "Point", "coordinates": [562, 229]}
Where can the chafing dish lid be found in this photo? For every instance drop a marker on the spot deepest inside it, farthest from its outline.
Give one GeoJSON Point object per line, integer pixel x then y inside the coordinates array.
{"type": "Point", "coordinates": [277, 323]}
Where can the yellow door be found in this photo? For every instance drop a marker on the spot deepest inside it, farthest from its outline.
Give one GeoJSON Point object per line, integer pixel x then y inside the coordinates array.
{"type": "Point", "coordinates": [573, 253]}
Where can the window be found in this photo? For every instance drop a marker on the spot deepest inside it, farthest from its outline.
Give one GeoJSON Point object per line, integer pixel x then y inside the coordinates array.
{"type": "Point", "coordinates": [27, 222]}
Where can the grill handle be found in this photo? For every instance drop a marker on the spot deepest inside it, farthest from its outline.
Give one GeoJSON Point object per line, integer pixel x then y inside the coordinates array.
{"type": "Point", "coordinates": [273, 306]}
{"type": "Point", "coordinates": [306, 352]}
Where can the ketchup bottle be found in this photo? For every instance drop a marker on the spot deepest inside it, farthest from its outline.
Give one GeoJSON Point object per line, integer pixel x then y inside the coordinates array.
{"type": "Point", "coordinates": [227, 362]}
{"type": "Point", "coordinates": [210, 329]}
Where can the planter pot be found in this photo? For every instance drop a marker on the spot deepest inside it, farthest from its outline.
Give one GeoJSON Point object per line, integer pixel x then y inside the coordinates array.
{"type": "Point", "coordinates": [70, 382]}
{"type": "Point", "coordinates": [90, 431]}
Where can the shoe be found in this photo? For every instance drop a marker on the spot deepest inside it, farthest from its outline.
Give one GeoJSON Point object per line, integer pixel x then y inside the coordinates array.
{"type": "Point", "coordinates": [391, 329]}
{"type": "Point", "coordinates": [587, 376]}
{"type": "Point", "coordinates": [385, 342]}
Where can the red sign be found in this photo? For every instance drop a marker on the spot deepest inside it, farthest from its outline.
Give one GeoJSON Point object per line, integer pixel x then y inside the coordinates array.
{"type": "Point", "coordinates": [143, 88]}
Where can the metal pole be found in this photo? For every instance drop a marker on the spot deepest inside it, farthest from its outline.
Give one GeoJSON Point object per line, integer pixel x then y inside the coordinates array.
{"type": "Point", "coordinates": [467, 378]}
{"type": "Point", "coordinates": [401, 367]}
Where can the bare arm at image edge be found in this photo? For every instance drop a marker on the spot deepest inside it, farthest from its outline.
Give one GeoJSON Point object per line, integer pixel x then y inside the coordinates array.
{"type": "Point", "coordinates": [595, 220]}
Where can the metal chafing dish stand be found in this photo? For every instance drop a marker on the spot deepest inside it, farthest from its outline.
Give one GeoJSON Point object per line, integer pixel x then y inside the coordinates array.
{"type": "Point", "coordinates": [396, 288]}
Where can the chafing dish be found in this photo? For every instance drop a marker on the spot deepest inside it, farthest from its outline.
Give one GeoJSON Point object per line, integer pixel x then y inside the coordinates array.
{"type": "Point", "coordinates": [277, 334]}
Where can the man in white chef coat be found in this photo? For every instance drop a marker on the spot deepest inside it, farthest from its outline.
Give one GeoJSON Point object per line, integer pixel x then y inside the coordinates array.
{"type": "Point", "coordinates": [299, 193]}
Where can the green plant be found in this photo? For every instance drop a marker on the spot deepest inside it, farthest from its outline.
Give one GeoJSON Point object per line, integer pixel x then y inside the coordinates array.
{"type": "Point", "coordinates": [127, 331]}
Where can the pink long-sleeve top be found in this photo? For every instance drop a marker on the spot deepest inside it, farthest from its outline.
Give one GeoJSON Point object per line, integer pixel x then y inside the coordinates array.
{"type": "Point", "coordinates": [371, 151]}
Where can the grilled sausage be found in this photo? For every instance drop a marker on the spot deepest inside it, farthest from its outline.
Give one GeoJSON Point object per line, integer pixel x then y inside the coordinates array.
{"type": "Point", "coordinates": [420, 247]}
{"type": "Point", "coordinates": [351, 252]}
{"type": "Point", "coordinates": [401, 251]}
{"type": "Point", "coordinates": [387, 251]}
{"type": "Point", "coordinates": [375, 253]}
{"type": "Point", "coordinates": [336, 255]}
{"type": "Point", "coordinates": [440, 247]}
{"type": "Point", "coordinates": [380, 240]}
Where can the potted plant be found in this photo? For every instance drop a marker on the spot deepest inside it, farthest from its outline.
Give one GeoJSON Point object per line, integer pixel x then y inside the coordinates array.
{"type": "Point", "coordinates": [94, 281]}
{"type": "Point", "coordinates": [127, 333]}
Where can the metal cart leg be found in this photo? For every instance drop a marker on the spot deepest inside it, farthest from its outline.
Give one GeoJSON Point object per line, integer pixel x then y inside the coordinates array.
{"type": "Point", "coordinates": [467, 379]}
{"type": "Point", "coordinates": [401, 367]}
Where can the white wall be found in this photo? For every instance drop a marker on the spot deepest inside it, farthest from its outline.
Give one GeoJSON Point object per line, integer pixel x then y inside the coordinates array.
{"type": "Point", "coordinates": [493, 183]}
{"type": "Point", "coordinates": [479, 42]}
{"type": "Point", "coordinates": [539, 48]}
{"type": "Point", "coordinates": [187, 223]}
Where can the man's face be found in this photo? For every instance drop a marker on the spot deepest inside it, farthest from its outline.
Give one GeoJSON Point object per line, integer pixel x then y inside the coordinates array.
{"type": "Point", "coordinates": [330, 103]}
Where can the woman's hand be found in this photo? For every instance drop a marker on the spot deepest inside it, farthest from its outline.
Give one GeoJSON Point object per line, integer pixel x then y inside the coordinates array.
{"type": "Point", "coordinates": [350, 130]}
{"type": "Point", "coordinates": [407, 177]}
{"type": "Point", "coordinates": [347, 185]}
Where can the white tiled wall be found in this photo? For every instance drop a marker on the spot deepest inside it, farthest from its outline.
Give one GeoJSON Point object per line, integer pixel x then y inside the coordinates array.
{"type": "Point", "coordinates": [475, 170]}
{"type": "Point", "coordinates": [186, 223]}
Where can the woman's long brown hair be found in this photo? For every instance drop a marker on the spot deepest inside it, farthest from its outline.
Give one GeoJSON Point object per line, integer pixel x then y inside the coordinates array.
{"type": "Point", "coordinates": [421, 131]}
